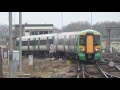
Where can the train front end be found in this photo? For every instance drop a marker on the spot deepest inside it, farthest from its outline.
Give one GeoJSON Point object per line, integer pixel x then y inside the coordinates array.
{"type": "Point", "coordinates": [89, 45]}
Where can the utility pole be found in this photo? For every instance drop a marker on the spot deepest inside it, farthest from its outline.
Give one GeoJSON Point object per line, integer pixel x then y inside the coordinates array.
{"type": "Point", "coordinates": [91, 20]}
{"type": "Point", "coordinates": [10, 46]}
{"type": "Point", "coordinates": [20, 42]}
{"type": "Point", "coordinates": [62, 21]}
{"type": "Point", "coordinates": [109, 40]}
{"type": "Point", "coordinates": [0, 63]}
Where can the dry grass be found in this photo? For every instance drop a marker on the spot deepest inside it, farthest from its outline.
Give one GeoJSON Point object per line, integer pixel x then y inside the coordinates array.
{"type": "Point", "coordinates": [43, 68]}
{"type": "Point", "coordinates": [5, 65]}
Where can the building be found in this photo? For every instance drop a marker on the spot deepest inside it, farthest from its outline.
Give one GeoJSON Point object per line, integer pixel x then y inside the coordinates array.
{"type": "Point", "coordinates": [31, 29]}
{"type": "Point", "coordinates": [39, 29]}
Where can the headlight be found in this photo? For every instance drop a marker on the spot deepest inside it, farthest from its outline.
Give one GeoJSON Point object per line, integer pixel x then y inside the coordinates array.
{"type": "Point", "coordinates": [82, 49]}
{"type": "Point", "coordinates": [97, 49]}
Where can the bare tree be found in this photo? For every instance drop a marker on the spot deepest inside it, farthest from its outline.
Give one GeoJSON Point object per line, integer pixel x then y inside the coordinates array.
{"type": "Point", "coordinates": [77, 26]}
{"type": "Point", "coordinates": [4, 30]}
{"type": "Point", "coordinates": [99, 26]}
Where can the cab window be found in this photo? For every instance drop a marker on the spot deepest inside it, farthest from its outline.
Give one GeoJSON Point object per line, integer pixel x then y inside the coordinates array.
{"type": "Point", "coordinates": [82, 40]}
{"type": "Point", "coordinates": [96, 40]}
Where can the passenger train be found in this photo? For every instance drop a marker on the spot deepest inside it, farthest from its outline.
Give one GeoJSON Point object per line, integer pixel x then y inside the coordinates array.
{"type": "Point", "coordinates": [83, 45]}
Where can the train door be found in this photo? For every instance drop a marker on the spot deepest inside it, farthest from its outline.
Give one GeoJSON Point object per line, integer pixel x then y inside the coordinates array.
{"type": "Point", "coordinates": [56, 41]}
{"type": "Point", "coordinates": [34, 44]}
{"type": "Point", "coordinates": [89, 44]}
{"type": "Point", "coordinates": [64, 43]}
{"type": "Point", "coordinates": [47, 44]}
{"type": "Point", "coordinates": [39, 43]}
{"type": "Point", "coordinates": [69, 43]}
{"type": "Point", "coordinates": [75, 42]}
{"type": "Point", "coordinates": [28, 44]}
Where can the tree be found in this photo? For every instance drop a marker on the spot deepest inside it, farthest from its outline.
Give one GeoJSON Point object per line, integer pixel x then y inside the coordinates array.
{"type": "Point", "coordinates": [77, 26]}
{"type": "Point", "coordinates": [4, 30]}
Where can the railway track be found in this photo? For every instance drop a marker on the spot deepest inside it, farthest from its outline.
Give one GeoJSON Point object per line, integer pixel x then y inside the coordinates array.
{"type": "Point", "coordinates": [97, 71]}
{"type": "Point", "coordinates": [92, 71]}
{"type": "Point", "coordinates": [115, 59]}
{"type": "Point", "coordinates": [111, 65]}
{"type": "Point", "coordinates": [89, 71]}
{"type": "Point", "coordinates": [111, 56]}
{"type": "Point", "coordinates": [107, 67]}
{"type": "Point", "coordinates": [109, 71]}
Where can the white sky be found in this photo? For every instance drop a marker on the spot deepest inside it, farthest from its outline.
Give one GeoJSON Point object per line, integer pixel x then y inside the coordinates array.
{"type": "Point", "coordinates": [55, 17]}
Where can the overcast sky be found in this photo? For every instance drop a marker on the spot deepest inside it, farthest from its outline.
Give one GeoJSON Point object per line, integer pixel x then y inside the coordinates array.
{"type": "Point", "coordinates": [55, 17]}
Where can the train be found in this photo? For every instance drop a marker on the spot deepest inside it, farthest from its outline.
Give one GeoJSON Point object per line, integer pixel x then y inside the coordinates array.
{"type": "Point", "coordinates": [85, 45]}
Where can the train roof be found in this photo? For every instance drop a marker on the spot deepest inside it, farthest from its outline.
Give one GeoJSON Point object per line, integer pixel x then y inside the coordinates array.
{"type": "Point", "coordinates": [90, 30]}
{"type": "Point", "coordinates": [68, 33]}
{"type": "Point", "coordinates": [37, 36]}
{"type": "Point", "coordinates": [64, 33]}
{"type": "Point", "coordinates": [79, 32]}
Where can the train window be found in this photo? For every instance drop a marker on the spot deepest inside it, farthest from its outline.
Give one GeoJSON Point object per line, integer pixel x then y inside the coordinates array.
{"type": "Point", "coordinates": [67, 40]}
{"type": "Point", "coordinates": [96, 40]}
{"type": "Point", "coordinates": [36, 32]}
{"type": "Point", "coordinates": [82, 40]}
{"type": "Point", "coordinates": [24, 43]}
{"type": "Point", "coordinates": [55, 40]}
{"type": "Point", "coordinates": [40, 32]}
{"type": "Point", "coordinates": [26, 31]}
{"type": "Point", "coordinates": [42, 42]}
{"type": "Point", "coordinates": [60, 41]}
{"type": "Point", "coordinates": [17, 43]}
{"type": "Point", "coordinates": [50, 41]}
{"type": "Point", "coordinates": [36, 42]}
{"type": "Point", "coordinates": [32, 33]}
{"type": "Point", "coordinates": [32, 43]}
{"type": "Point", "coordinates": [72, 41]}
{"type": "Point", "coordinates": [45, 32]}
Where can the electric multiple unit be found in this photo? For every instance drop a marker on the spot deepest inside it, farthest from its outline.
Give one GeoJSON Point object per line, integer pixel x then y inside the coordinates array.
{"type": "Point", "coordinates": [82, 45]}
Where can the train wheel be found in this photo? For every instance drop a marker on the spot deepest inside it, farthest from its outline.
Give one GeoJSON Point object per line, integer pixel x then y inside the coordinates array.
{"type": "Point", "coordinates": [95, 61]}
{"type": "Point", "coordinates": [52, 56]}
{"type": "Point", "coordinates": [46, 56]}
